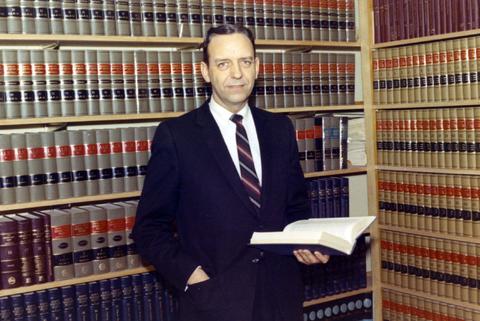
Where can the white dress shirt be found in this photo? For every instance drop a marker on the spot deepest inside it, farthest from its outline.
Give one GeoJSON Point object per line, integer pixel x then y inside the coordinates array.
{"type": "Point", "coordinates": [228, 129]}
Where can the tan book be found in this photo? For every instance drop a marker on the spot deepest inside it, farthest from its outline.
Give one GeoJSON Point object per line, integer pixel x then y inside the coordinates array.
{"type": "Point", "coordinates": [455, 139]}
{"type": "Point", "coordinates": [439, 137]}
{"type": "Point", "coordinates": [393, 199]}
{"type": "Point", "coordinates": [390, 258]}
{"type": "Point", "coordinates": [475, 183]}
{"type": "Point", "coordinates": [450, 183]}
{"type": "Point", "coordinates": [427, 143]}
{"type": "Point", "coordinates": [396, 75]}
{"type": "Point", "coordinates": [443, 71]}
{"type": "Point", "coordinates": [422, 65]}
{"type": "Point", "coordinates": [462, 138]}
{"type": "Point", "coordinates": [403, 144]}
{"type": "Point", "coordinates": [427, 201]}
{"type": "Point", "coordinates": [477, 68]}
{"type": "Point", "coordinates": [472, 273]}
{"type": "Point", "coordinates": [425, 265]}
{"type": "Point", "coordinates": [457, 57]}
{"type": "Point", "coordinates": [403, 239]}
{"type": "Point", "coordinates": [403, 75]}
{"type": "Point", "coordinates": [456, 270]}
{"type": "Point", "coordinates": [420, 202]}
{"type": "Point", "coordinates": [433, 266]}
{"type": "Point", "coordinates": [458, 205]}
{"type": "Point", "coordinates": [408, 137]}
{"type": "Point", "coordinates": [443, 203]}
{"type": "Point", "coordinates": [466, 85]}
{"type": "Point", "coordinates": [396, 152]}
{"type": "Point", "coordinates": [472, 67]}
{"type": "Point", "coordinates": [435, 204]}
{"type": "Point", "coordinates": [389, 76]}
{"type": "Point", "coordinates": [411, 260]}
{"type": "Point", "coordinates": [464, 289]}
{"type": "Point", "coordinates": [418, 285]}
{"type": "Point", "coordinates": [397, 259]}
{"type": "Point", "coordinates": [436, 71]}
{"type": "Point", "coordinates": [439, 246]}
{"type": "Point", "coordinates": [432, 137]}
{"type": "Point", "coordinates": [447, 138]}
{"type": "Point", "coordinates": [408, 201]}
{"type": "Point", "coordinates": [400, 180]}
{"type": "Point", "coordinates": [430, 72]}
{"type": "Point", "coordinates": [380, 138]}
{"type": "Point", "coordinates": [417, 80]}
{"type": "Point", "coordinates": [381, 196]}
{"type": "Point", "coordinates": [415, 137]}
{"type": "Point", "coordinates": [451, 71]}
{"type": "Point", "coordinates": [470, 137]}
{"type": "Point", "coordinates": [376, 75]}
{"type": "Point", "coordinates": [382, 77]}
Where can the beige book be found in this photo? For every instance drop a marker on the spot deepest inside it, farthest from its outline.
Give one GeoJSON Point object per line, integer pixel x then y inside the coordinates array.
{"type": "Point", "coordinates": [386, 297]}
{"type": "Point", "coordinates": [475, 183]}
{"type": "Point", "coordinates": [408, 137]}
{"type": "Point", "coordinates": [430, 72]}
{"type": "Point", "coordinates": [417, 80]}
{"type": "Point", "coordinates": [476, 125]}
{"type": "Point", "coordinates": [410, 75]}
{"type": "Point", "coordinates": [427, 201]}
{"type": "Point", "coordinates": [460, 199]}
{"type": "Point", "coordinates": [407, 197]}
{"type": "Point", "coordinates": [390, 258]}
{"type": "Point", "coordinates": [443, 71]}
{"type": "Point", "coordinates": [477, 67]}
{"type": "Point", "coordinates": [383, 256]}
{"type": "Point", "coordinates": [397, 257]}
{"type": "Point", "coordinates": [433, 266]}
{"type": "Point", "coordinates": [418, 286]}
{"type": "Point", "coordinates": [448, 267]}
{"type": "Point", "coordinates": [464, 271]}
{"type": "Point", "coordinates": [387, 214]}
{"type": "Point", "coordinates": [435, 204]}
{"type": "Point", "coordinates": [432, 138]}
{"type": "Point", "coordinates": [393, 198]}
{"type": "Point", "coordinates": [380, 137]}
{"type": "Point", "coordinates": [455, 139]}
{"type": "Point", "coordinates": [403, 75]}
{"type": "Point", "coordinates": [416, 138]}
{"type": "Point", "coordinates": [396, 152]}
{"type": "Point", "coordinates": [426, 263]}
{"type": "Point", "coordinates": [451, 71]}
{"type": "Point", "coordinates": [381, 195]}
{"type": "Point", "coordinates": [389, 75]}
{"type": "Point", "coordinates": [472, 67]}
{"type": "Point", "coordinates": [411, 260]}
{"type": "Point", "coordinates": [427, 143]}
{"type": "Point", "coordinates": [388, 134]}
{"type": "Point", "coordinates": [472, 272]}
{"type": "Point", "coordinates": [401, 198]}
{"type": "Point", "coordinates": [403, 240]}
{"type": "Point", "coordinates": [395, 56]}
{"type": "Point", "coordinates": [439, 245]}
{"type": "Point", "coordinates": [402, 141]}
{"type": "Point", "coordinates": [447, 137]}
{"type": "Point", "coordinates": [457, 57]}
{"type": "Point", "coordinates": [462, 138]}
{"type": "Point", "coordinates": [413, 183]}
{"type": "Point", "coordinates": [470, 137]}
{"type": "Point", "coordinates": [439, 137]}
{"type": "Point", "coordinates": [420, 202]}
{"type": "Point", "coordinates": [382, 77]}
{"type": "Point", "coordinates": [466, 84]}
{"type": "Point", "coordinates": [436, 71]}
{"type": "Point", "coordinates": [456, 269]}
{"type": "Point", "coordinates": [376, 77]}
{"type": "Point", "coordinates": [443, 203]}
{"type": "Point", "coordinates": [451, 204]}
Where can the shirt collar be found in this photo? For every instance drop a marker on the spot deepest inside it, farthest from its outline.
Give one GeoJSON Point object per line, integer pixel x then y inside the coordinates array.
{"type": "Point", "coordinates": [225, 114]}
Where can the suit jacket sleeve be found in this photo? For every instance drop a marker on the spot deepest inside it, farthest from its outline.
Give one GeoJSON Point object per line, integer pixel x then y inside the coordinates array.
{"type": "Point", "coordinates": [154, 231]}
{"type": "Point", "coordinates": [298, 207]}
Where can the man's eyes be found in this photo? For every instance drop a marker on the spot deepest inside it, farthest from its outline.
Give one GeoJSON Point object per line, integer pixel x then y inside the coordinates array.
{"type": "Point", "coordinates": [225, 65]}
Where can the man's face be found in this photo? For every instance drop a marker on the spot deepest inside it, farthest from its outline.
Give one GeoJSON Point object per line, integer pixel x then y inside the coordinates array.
{"type": "Point", "coordinates": [232, 70]}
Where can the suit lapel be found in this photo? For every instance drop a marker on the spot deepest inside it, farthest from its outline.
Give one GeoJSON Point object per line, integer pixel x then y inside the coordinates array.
{"type": "Point", "coordinates": [216, 145]}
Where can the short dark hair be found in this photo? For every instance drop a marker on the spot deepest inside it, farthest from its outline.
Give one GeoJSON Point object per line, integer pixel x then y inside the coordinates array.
{"type": "Point", "coordinates": [226, 29]}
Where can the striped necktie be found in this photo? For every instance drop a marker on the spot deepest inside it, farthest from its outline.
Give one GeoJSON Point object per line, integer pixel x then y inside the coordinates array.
{"type": "Point", "coordinates": [248, 174]}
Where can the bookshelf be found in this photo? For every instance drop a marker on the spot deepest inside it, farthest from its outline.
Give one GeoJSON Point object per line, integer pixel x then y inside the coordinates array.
{"type": "Point", "coordinates": [437, 241]}
{"type": "Point", "coordinates": [90, 42]}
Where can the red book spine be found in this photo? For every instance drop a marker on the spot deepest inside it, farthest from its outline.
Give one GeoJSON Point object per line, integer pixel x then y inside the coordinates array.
{"type": "Point", "coordinates": [420, 14]}
{"type": "Point", "coordinates": [376, 21]}
{"type": "Point", "coordinates": [400, 20]}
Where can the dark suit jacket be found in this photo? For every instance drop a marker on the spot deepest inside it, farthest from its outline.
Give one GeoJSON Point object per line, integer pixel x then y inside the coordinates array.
{"type": "Point", "coordinates": [192, 181]}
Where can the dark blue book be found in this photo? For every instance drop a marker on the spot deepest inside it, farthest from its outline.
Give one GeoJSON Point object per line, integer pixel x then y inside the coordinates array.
{"type": "Point", "coordinates": [329, 198]}
{"type": "Point", "coordinates": [6, 308]}
{"type": "Point", "coordinates": [81, 302]}
{"type": "Point", "coordinates": [322, 198]}
{"type": "Point", "coordinates": [31, 306]}
{"type": "Point", "coordinates": [95, 301]}
{"type": "Point", "coordinates": [55, 303]}
{"type": "Point", "coordinates": [148, 303]}
{"type": "Point", "coordinates": [336, 187]}
{"type": "Point", "coordinates": [43, 305]}
{"type": "Point", "coordinates": [68, 301]}
{"type": "Point", "coordinates": [313, 198]}
{"type": "Point", "coordinates": [127, 297]}
{"type": "Point", "coordinates": [18, 307]}
{"type": "Point", "coordinates": [106, 300]}
{"type": "Point", "coordinates": [137, 286]}
{"type": "Point", "coordinates": [116, 289]}
{"type": "Point", "coordinates": [158, 305]}
{"type": "Point", "coordinates": [344, 197]}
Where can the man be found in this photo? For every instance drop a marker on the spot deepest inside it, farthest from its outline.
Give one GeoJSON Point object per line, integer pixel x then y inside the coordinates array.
{"type": "Point", "coordinates": [220, 173]}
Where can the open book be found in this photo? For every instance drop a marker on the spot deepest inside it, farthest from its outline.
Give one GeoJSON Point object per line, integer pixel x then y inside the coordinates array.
{"type": "Point", "coordinates": [333, 236]}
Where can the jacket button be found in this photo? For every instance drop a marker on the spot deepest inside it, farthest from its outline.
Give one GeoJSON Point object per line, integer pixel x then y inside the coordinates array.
{"type": "Point", "coordinates": [255, 261]}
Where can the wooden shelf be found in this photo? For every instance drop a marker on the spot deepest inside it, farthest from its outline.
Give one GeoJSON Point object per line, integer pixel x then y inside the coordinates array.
{"type": "Point", "coordinates": [356, 107]}
{"type": "Point", "coordinates": [141, 42]}
{"type": "Point", "coordinates": [413, 41]}
{"type": "Point", "coordinates": [433, 297]}
{"type": "Point", "coordinates": [340, 172]}
{"type": "Point", "coordinates": [65, 201]}
{"type": "Point", "coordinates": [429, 170]}
{"type": "Point", "coordinates": [437, 235]}
{"type": "Point", "coordinates": [342, 295]}
{"type": "Point", "coordinates": [435, 104]}
{"type": "Point", "coordinates": [87, 119]}
{"type": "Point", "coordinates": [90, 278]}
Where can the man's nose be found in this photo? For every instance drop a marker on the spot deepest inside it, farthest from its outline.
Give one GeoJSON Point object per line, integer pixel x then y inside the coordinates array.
{"type": "Point", "coordinates": [236, 71]}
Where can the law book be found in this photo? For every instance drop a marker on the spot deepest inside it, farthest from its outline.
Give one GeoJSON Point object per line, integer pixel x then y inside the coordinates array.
{"type": "Point", "coordinates": [148, 19]}
{"type": "Point", "coordinates": [316, 90]}
{"type": "Point", "coordinates": [134, 9]}
{"type": "Point", "coordinates": [55, 17]}
{"type": "Point", "coordinates": [13, 17]}
{"type": "Point", "coordinates": [117, 304]}
{"type": "Point", "coordinates": [176, 82]}
{"type": "Point", "coordinates": [153, 82]}
{"type": "Point", "coordinates": [97, 17]}
{"type": "Point", "coordinates": [84, 17]}
{"type": "Point", "coordinates": [137, 296]}
{"type": "Point", "coordinates": [171, 11]}
{"type": "Point", "coordinates": [278, 80]}
{"type": "Point", "coordinates": [297, 80]}
{"type": "Point", "coordinates": [47, 244]}
{"type": "Point", "coordinates": [259, 19]}
{"type": "Point", "coordinates": [116, 236]}
{"type": "Point", "coordinates": [116, 160]}
{"type": "Point", "coordinates": [39, 250]}
{"type": "Point", "coordinates": [55, 303]}
{"type": "Point", "coordinates": [67, 101]}
{"type": "Point", "coordinates": [127, 297]}
{"type": "Point", "coordinates": [70, 17]}
{"type": "Point", "coordinates": [41, 18]}
{"type": "Point", "coordinates": [104, 82]}
{"type": "Point", "coordinates": [207, 17]}
{"type": "Point", "coordinates": [94, 301]}
{"type": "Point", "coordinates": [77, 162]}
{"type": "Point", "coordinates": [122, 15]}
{"type": "Point", "coordinates": [62, 247]}
{"type": "Point", "coordinates": [343, 143]}
{"type": "Point", "coordinates": [198, 81]}
{"type": "Point", "coordinates": [81, 241]}
{"type": "Point", "coordinates": [92, 82]}
{"type": "Point", "coordinates": [310, 147]}
{"type": "Point", "coordinates": [188, 82]}
{"type": "Point", "coordinates": [43, 305]}
{"type": "Point", "coordinates": [324, 79]}
{"type": "Point", "coordinates": [342, 78]}
{"type": "Point", "coordinates": [195, 18]}
{"type": "Point", "coordinates": [20, 167]}
{"type": "Point", "coordinates": [109, 22]}
{"type": "Point", "coordinates": [36, 154]}
{"type": "Point", "coordinates": [129, 158]}
{"type": "Point", "coordinates": [350, 79]}
{"type": "Point", "coordinates": [268, 73]}
{"type": "Point", "coordinates": [147, 297]}
{"type": "Point", "coordinates": [334, 236]}
{"type": "Point", "coordinates": [25, 248]}
{"type": "Point", "coordinates": [104, 166]}
{"type": "Point", "coordinates": [129, 84]}
{"type": "Point", "coordinates": [116, 82]}
{"type": "Point", "coordinates": [91, 162]}
{"type": "Point", "coordinates": [18, 307]}
{"type": "Point", "coordinates": [68, 302]}
{"type": "Point", "coordinates": [130, 209]}
{"type": "Point", "coordinates": [259, 89]}
{"type": "Point", "coordinates": [166, 81]}
{"type": "Point", "coordinates": [106, 306]}
{"type": "Point", "coordinates": [333, 20]}
{"type": "Point", "coordinates": [79, 72]}
{"type": "Point", "coordinates": [239, 12]}
{"type": "Point", "coordinates": [31, 306]}
{"type": "Point", "coordinates": [25, 84]}
{"type": "Point", "coordinates": [9, 254]}
{"type": "Point", "coordinates": [141, 154]}
{"type": "Point", "coordinates": [160, 18]}
{"type": "Point", "coordinates": [11, 80]}
{"type": "Point", "coordinates": [307, 79]}
{"type": "Point", "coordinates": [183, 22]}
{"type": "Point", "coordinates": [297, 20]}
{"type": "Point", "coordinates": [141, 82]}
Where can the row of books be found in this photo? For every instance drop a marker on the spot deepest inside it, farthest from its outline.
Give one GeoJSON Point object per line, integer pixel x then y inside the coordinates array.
{"type": "Point", "coordinates": [281, 19]}
{"type": "Point", "coordinates": [322, 142]}
{"type": "Point", "coordinates": [49, 83]}
{"type": "Point", "coordinates": [139, 297]}
{"type": "Point", "coordinates": [358, 307]}
{"type": "Point", "coordinates": [448, 204]}
{"type": "Point", "coordinates": [72, 163]}
{"type": "Point", "coordinates": [342, 273]}
{"type": "Point", "coordinates": [435, 138]}
{"type": "Point", "coordinates": [436, 71]}
{"type": "Point", "coordinates": [305, 79]}
{"type": "Point", "coordinates": [55, 245]}
{"type": "Point", "coordinates": [329, 197]}
{"type": "Point", "coordinates": [433, 266]}
{"type": "Point", "coordinates": [403, 306]}
{"type": "Point", "coordinates": [405, 19]}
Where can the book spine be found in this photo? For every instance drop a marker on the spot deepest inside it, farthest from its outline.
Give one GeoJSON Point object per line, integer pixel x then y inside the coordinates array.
{"type": "Point", "coordinates": [148, 302]}
{"type": "Point", "coordinates": [137, 294]}
{"type": "Point", "coordinates": [259, 89]}
{"type": "Point", "coordinates": [116, 151]}
{"type": "Point", "coordinates": [99, 226]}
{"type": "Point", "coordinates": [116, 238]}
{"type": "Point", "coordinates": [70, 17]}
{"type": "Point", "coordinates": [20, 167]}
{"type": "Point", "coordinates": [31, 306]}
{"type": "Point", "coordinates": [187, 80]}
{"type": "Point", "coordinates": [177, 85]}
{"type": "Point", "coordinates": [97, 17]}
{"type": "Point", "coordinates": [18, 307]}
{"type": "Point", "coordinates": [342, 78]}
{"type": "Point", "coordinates": [55, 303]}
{"type": "Point", "coordinates": [94, 301]}
{"type": "Point", "coordinates": [67, 102]}
{"type": "Point", "coordinates": [39, 251]}
{"type": "Point", "coordinates": [105, 168]}
{"type": "Point", "coordinates": [104, 69]}
{"type": "Point", "coordinates": [84, 17]}
{"type": "Point", "coordinates": [92, 82]}
{"type": "Point", "coordinates": [268, 71]}
{"type": "Point", "coordinates": [27, 95]}
{"type": "Point", "coordinates": [309, 144]}
{"type": "Point", "coordinates": [141, 82]}
{"type": "Point", "coordinates": [81, 93]}
{"type": "Point", "coordinates": [68, 302]}
{"type": "Point", "coordinates": [62, 247]}
{"type": "Point", "coordinates": [318, 137]}
{"type": "Point", "coordinates": [307, 79]}
{"type": "Point", "coordinates": [9, 255]}
{"type": "Point", "coordinates": [13, 17]}
{"type": "Point", "coordinates": [41, 17]}
{"type": "Point", "coordinates": [122, 15]}
{"type": "Point", "coordinates": [160, 18]}
{"type": "Point", "coordinates": [117, 82]}
{"type": "Point", "coordinates": [77, 160]}
{"type": "Point", "coordinates": [106, 306]}
{"type": "Point", "coordinates": [117, 304]}
{"type": "Point", "coordinates": [343, 143]}
{"type": "Point", "coordinates": [148, 19]}
{"type": "Point", "coordinates": [195, 18]}
{"type": "Point", "coordinates": [344, 197]}
{"type": "Point", "coordinates": [333, 79]}
{"type": "Point", "coordinates": [183, 23]}
{"type": "Point", "coordinates": [313, 198]}
{"type": "Point", "coordinates": [35, 156]}
{"type": "Point", "coordinates": [171, 11]}
{"type": "Point", "coordinates": [207, 17]}
{"type": "Point", "coordinates": [278, 76]}
{"type": "Point", "coordinates": [269, 19]}
{"type": "Point", "coordinates": [82, 309]}
{"type": "Point", "coordinates": [198, 82]}
{"type": "Point", "coordinates": [278, 22]}
{"type": "Point", "coordinates": [336, 194]}
{"type": "Point", "coordinates": [165, 70]}
{"type": "Point", "coordinates": [129, 158]}
{"type": "Point", "coordinates": [13, 95]}
{"type": "Point", "coordinates": [81, 241]}
{"type": "Point", "coordinates": [128, 62]}
{"type": "Point", "coordinates": [91, 162]}
{"type": "Point", "coordinates": [259, 19]}
{"type": "Point", "coordinates": [43, 305]}
{"type": "Point", "coordinates": [315, 19]}
{"type": "Point", "coordinates": [342, 20]}
{"type": "Point", "coordinates": [153, 82]}
{"type": "Point", "coordinates": [333, 20]}
{"type": "Point", "coordinates": [110, 15]}
{"type": "Point", "coordinates": [127, 298]}
{"type": "Point", "coordinates": [299, 125]}
{"type": "Point", "coordinates": [25, 249]}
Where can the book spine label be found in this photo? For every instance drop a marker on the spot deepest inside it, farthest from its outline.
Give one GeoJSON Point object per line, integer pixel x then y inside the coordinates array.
{"type": "Point", "coordinates": [116, 239]}
{"type": "Point", "coordinates": [81, 241]}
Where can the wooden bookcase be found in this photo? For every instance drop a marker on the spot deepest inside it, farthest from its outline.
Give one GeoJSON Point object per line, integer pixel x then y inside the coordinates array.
{"type": "Point", "coordinates": [362, 45]}
{"type": "Point", "coordinates": [374, 169]}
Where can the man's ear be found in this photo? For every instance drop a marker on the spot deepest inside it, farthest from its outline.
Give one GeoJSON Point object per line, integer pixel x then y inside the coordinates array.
{"type": "Point", "coordinates": [257, 67]}
{"type": "Point", "coordinates": [204, 69]}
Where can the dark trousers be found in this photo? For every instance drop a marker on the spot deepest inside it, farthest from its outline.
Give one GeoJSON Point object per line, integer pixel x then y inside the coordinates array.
{"type": "Point", "coordinates": [264, 308]}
